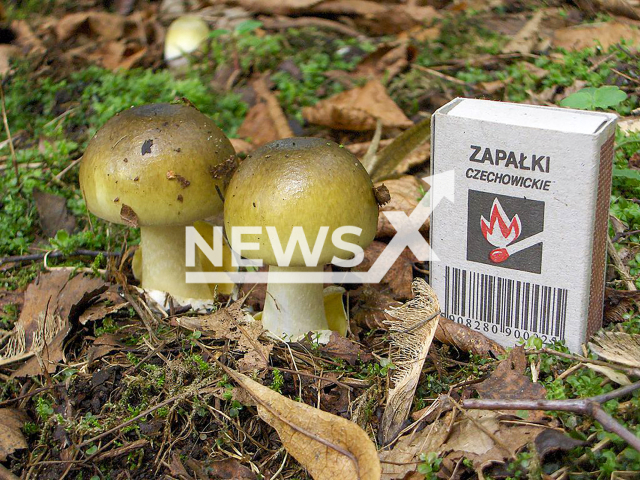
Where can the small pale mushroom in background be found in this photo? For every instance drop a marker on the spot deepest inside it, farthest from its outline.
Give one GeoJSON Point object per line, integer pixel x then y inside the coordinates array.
{"type": "Point", "coordinates": [305, 182]}
{"type": "Point", "coordinates": [151, 167]}
{"type": "Point", "coordinates": [185, 35]}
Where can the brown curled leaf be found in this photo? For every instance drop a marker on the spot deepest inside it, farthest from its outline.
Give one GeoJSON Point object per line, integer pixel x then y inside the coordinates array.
{"type": "Point", "coordinates": [128, 216]}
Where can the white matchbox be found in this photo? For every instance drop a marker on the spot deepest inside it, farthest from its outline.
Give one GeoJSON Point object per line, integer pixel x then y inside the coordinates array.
{"type": "Point", "coordinates": [521, 250]}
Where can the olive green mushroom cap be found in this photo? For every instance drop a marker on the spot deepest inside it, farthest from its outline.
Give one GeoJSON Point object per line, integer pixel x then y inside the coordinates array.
{"type": "Point", "coordinates": [307, 182]}
{"type": "Point", "coordinates": [152, 165]}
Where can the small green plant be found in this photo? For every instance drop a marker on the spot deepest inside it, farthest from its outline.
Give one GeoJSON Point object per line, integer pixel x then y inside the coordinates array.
{"type": "Point", "coordinates": [44, 408]}
{"type": "Point", "coordinates": [277, 382]}
{"type": "Point", "coordinates": [430, 465]}
{"type": "Point", "coordinates": [592, 98]}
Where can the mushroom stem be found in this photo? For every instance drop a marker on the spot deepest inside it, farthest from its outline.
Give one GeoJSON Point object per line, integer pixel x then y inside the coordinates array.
{"type": "Point", "coordinates": [164, 264]}
{"type": "Point", "coordinates": [292, 309]}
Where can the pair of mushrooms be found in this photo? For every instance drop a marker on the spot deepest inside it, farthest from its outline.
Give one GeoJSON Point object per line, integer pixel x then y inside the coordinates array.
{"type": "Point", "coordinates": [155, 167]}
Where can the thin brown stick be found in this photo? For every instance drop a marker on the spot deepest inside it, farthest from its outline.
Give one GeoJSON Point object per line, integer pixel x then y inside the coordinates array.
{"type": "Point", "coordinates": [585, 406]}
{"type": "Point", "coordinates": [6, 128]}
{"type": "Point", "coordinates": [585, 360]}
{"type": "Point", "coordinates": [55, 254]}
{"type": "Point", "coordinates": [282, 24]}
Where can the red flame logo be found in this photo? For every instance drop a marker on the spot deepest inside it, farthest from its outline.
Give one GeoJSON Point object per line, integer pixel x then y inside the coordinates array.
{"type": "Point", "coordinates": [508, 229]}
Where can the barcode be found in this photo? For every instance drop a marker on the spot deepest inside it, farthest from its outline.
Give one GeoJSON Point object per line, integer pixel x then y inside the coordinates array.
{"type": "Point", "coordinates": [509, 304]}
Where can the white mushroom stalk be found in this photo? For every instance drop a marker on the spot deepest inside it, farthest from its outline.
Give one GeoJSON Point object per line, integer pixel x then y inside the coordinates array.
{"type": "Point", "coordinates": [163, 264]}
{"type": "Point", "coordinates": [299, 182]}
{"type": "Point", "coordinates": [291, 310]}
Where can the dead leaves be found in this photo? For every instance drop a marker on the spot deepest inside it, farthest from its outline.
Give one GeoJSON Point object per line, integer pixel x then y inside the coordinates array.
{"type": "Point", "coordinates": [358, 110]}
{"type": "Point", "coordinates": [592, 35]}
{"type": "Point", "coordinates": [405, 193]}
{"type": "Point", "coordinates": [411, 328]}
{"type": "Point", "coordinates": [53, 213]}
{"type": "Point", "coordinates": [50, 303]}
{"type": "Point", "coordinates": [328, 446]}
{"type": "Point", "coordinates": [265, 121]}
{"type": "Point", "coordinates": [509, 382]}
{"type": "Point", "coordinates": [11, 437]}
{"type": "Point", "coordinates": [466, 339]}
{"type": "Point", "coordinates": [618, 347]}
{"type": "Point", "coordinates": [232, 323]}
{"type": "Point", "coordinates": [97, 24]}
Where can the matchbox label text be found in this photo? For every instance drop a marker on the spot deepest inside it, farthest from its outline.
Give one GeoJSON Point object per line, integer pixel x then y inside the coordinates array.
{"type": "Point", "coordinates": [509, 159]}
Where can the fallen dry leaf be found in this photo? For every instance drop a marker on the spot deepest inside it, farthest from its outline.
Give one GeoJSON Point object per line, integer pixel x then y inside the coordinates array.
{"type": "Point", "coordinates": [104, 25]}
{"type": "Point", "coordinates": [11, 437]}
{"type": "Point", "coordinates": [348, 350]}
{"type": "Point", "coordinates": [281, 7]}
{"type": "Point", "coordinates": [358, 110]}
{"type": "Point", "coordinates": [619, 7]}
{"type": "Point", "coordinates": [405, 194]}
{"type": "Point", "coordinates": [619, 347]}
{"type": "Point", "coordinates": [587, 36]}
{"type": "Point", "coordinates": [328, 446]}
{"type": "Point", "coordinates": [265, 121]}
{"type": "Point", "coordinates": [526, 40]}
{"type": "Point", "coordinates": [53, 213]}
{"type": "Point", "coordinates": [399, 276]}
{"type": "Point", "coordinates": [618, 302]}
{"type": "Point", "coordinates": [387, 61]}
{"type": "Point", "coordinates": [411, 328]}
{"type": "Point", "coordinates": [368, 307]}
{"type": "Point", "coordinates": [26, 39]}
{"type": "Point", "coordinates": [229, 469]}
{"type": "Point", "coordinates": [241, 146]}
{"type": "Point", "coordinates": [387, 160]}
{"type": "Point", "coordinates": [7, 52]}
{"type": "Point", "coordinates": [232, 323]}
{"type": "Point", "coordinates": [408, 449]}
{"type": "Point", "coordinates": [51, 302]}
{"type": "Point", "coordinates": [417, 156]}
{"type": "Point", "coordinates": [100, 309]}
{"type": "Point", "coordinates": [378, 18]}
{"type": "Point", "coordinates": [509, 382]}
{"type": "Point", "coordinates": [466, 339]}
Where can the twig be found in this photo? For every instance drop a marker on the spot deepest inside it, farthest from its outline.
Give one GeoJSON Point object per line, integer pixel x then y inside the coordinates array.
{"type": "Point", "coordinates": [6, 128]}
{"type": "Point", "coordinates": [277, 24]}
{"type": "Point", "coordinates": [447, 78]}
{"type": "Point", "coordinates": [370, 158]}
{"type": "Point", "coordinates": [622, 270]}
{"type": "Point", "coordinates": [58, 177]}
{"type": "Point", "coordinates": [55, 254]}
{"type": "Point", "coordinates": [585, 360]}
{"type": "Point", "coordinates": [590, 406]}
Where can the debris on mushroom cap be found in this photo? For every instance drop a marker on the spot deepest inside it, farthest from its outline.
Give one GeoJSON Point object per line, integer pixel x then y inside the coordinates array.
{"type": "Point", "coordinates": [184, 36]}
{"type": "Point", "coordinates": [168, 148]}
{"type": "Point", "coordinates": [382, 194]}
{"type": "Point", "coordinates": [307, 182]}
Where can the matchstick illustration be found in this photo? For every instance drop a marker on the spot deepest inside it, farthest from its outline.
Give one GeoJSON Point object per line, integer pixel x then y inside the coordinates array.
{"type": "Point", "coordinates": [499, 255]}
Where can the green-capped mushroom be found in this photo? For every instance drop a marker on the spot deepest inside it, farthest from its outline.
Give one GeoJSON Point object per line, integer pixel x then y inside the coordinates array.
{"type": "Point", "coordinates": [154, 167]}
{"type": "Point", "coordinates": [299, 182]}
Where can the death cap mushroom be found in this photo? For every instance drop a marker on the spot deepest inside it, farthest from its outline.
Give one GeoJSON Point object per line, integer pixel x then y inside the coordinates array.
{"type": "Point", "coordinates": [151, 167]}
{"type": "Point", "coordinates": [300, 182]}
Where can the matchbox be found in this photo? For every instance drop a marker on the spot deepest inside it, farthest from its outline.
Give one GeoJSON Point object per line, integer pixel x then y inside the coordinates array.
{"type": "Point", "coordinates": [521, 250]}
